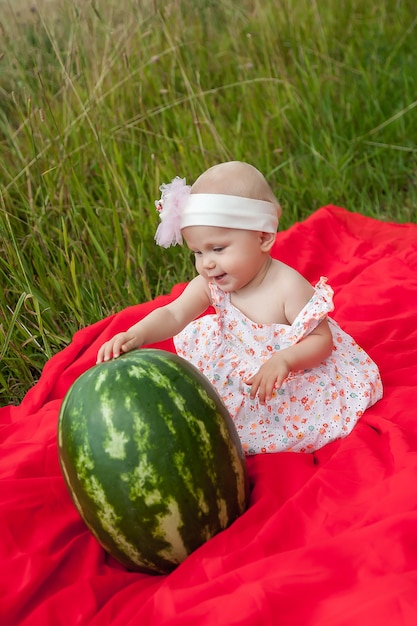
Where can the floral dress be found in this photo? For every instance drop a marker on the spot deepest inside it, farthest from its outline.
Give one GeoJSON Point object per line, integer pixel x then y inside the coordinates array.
{"type": "Point", "coordinates": [312, 407]}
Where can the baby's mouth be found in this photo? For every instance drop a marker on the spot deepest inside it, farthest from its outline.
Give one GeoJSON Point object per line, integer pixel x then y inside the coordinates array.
{"type": "Point", "coordinates": [217, 278]}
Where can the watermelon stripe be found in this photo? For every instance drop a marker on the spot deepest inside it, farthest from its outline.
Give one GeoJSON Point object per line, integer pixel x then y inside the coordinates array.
{"type": "Point", "coordinates": [169, 527]}
{"type": "Point", "coordinates": [151, 458]}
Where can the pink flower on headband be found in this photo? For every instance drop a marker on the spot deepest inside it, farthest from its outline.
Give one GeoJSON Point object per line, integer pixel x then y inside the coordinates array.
{"type": "Point", "coordinates": [170, 206]}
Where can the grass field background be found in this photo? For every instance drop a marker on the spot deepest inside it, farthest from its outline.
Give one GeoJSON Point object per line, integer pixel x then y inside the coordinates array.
{"type": "Point", "coordinates": [102, 101]}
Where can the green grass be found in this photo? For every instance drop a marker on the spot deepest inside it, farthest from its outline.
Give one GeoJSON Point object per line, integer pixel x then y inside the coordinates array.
{"type": "Point", "coordinates": [102, 101]}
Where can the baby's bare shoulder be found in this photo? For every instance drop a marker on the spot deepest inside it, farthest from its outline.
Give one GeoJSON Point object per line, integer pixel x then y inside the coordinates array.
{"type": "Point", "coordinates": [288, 276]}
{"type": "Point", "coordinates": [295, 290]}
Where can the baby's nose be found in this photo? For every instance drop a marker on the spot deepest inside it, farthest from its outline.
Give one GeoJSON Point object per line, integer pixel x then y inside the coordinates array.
{"type": "Point", "coordinates": [208, 261]}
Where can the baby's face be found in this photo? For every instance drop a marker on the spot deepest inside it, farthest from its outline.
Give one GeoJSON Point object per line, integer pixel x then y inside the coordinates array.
{"type": "Point", "coordinates": [230, 258]}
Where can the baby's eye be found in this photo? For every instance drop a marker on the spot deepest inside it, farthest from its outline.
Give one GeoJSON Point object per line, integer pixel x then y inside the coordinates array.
{"type": "Point", "coordinates": [197, 253]}
{"type": "Point", "coordinates": [218, 249]}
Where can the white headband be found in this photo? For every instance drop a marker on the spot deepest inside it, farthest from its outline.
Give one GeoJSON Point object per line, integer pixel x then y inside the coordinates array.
{"type": "Point", "coordinates": [179, 209]}
{"type": "Point", "coordinates": [209, 209]}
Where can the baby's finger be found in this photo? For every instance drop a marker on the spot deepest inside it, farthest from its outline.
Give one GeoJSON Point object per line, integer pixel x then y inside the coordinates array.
{"type": "Point", "coordinates": [108, 351]}
{"type": "Point", "coordinates": [105, 352]}
{"type": "Point", "coordinates": [266, 390]}
{"type": "Point", "coordinates": [127, 346]}
{"type": "Point", "coordinates": [279, 381]}
{"type": "Point", "coordinates": [118, 346]}
{"type": "Point", "coordinates": [254, 385]}
{"type": "Point", "coordinates": [260, 391]}
{"type": "Point", "coordinates": [100, 355]}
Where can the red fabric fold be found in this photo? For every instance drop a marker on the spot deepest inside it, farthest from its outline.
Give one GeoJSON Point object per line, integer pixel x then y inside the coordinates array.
{"type": "Point", "coordinates": [329, 539]}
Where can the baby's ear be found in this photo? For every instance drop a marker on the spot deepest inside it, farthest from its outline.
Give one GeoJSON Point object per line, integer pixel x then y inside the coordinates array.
{"type": "Point", "coordinates": [267, 241]}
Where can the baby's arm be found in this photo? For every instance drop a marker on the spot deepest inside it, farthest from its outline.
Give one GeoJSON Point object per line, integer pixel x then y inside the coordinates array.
{"type": "Point", "coordinates": [160, 324]}
{"type": "Point", "coordinates": [306, 354]}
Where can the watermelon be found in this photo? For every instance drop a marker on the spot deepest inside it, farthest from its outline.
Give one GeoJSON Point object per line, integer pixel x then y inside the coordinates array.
{"type": "Point", "coordinates": [151, 458]}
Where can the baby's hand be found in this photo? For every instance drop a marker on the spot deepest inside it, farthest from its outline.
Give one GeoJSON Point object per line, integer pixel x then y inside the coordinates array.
{"type": "Point", "coordinates": [122, 342]}
{"type": "Point", "coordinates": [270, 376]}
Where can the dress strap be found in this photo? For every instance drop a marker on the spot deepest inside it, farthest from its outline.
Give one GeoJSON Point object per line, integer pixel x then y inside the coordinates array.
{"type": "Point", "coordinates": [314, 312]}
{"type": "Point", "coordinates": [218, 297]}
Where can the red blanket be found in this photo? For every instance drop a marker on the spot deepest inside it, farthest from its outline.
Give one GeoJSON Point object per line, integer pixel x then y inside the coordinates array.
{"type": "Point", "coordinates": [328, 540]}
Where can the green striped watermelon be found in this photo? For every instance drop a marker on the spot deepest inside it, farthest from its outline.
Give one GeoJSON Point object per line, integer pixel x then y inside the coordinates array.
{"type": "Point", "coordinates": [151, 458]}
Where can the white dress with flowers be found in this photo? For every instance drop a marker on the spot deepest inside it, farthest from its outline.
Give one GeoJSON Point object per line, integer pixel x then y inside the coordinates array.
{"type": "Point", "coordinates": [313, 407]}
